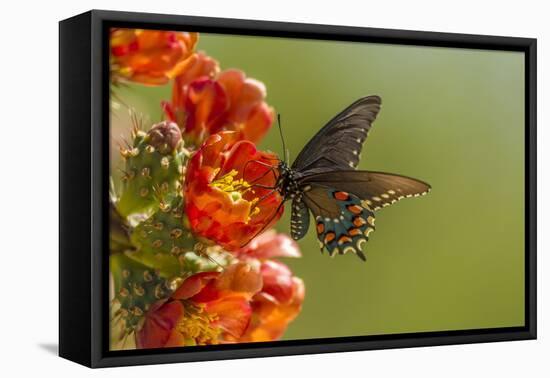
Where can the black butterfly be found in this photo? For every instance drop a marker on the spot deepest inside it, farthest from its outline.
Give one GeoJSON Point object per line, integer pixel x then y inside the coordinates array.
{"type": "Point", "coordinates": [323, 180]}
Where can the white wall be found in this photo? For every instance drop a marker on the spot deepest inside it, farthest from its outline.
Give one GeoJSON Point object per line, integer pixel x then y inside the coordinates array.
{"type": "Point", "coordinates": [29, 189]}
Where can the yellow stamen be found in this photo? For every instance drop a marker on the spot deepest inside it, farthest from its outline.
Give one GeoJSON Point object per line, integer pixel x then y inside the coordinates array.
{"type": "Point", "coordinates": [197, 325]}
{"type": "Point", "coordinates": [236, 189]}
{"type": "Point", "coordinates": [227, 183]}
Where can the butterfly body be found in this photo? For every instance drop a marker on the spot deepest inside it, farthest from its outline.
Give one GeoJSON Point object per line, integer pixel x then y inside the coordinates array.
{"type": "Point", "coordinates": [323, 181]}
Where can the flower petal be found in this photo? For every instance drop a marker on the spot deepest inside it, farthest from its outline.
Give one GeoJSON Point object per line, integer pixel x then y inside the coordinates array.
{"type": "Point", "coordinates": [233, 314]}
{"type": "Point", "coordinates": [160, 322]}
{"type": "Point", "coordinates": [241, 277]}
{"type": "Point", "coordinates": [271, 319]}
{"type": "Point", "coordinates": [271, 244]}
{"type": "Point", "coordinates": [193, 285]}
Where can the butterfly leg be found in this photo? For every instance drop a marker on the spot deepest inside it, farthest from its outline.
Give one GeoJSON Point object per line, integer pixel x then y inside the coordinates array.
{"type": "Point", "coordinates": [271, 169]}
{"type": "Point", "coordinates": [262, 198]}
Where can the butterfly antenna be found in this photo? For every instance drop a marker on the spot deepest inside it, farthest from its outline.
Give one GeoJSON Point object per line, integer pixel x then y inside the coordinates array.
{"type": "Point", "coordinates": [285, 151]}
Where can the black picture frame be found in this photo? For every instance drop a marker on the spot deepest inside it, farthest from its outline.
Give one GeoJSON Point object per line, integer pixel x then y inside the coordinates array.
{"type": "Point", "coordinates": [84, 207]}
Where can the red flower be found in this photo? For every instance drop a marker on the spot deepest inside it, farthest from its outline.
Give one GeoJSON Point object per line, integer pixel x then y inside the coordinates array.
{"type": "Point", "coordinates": [282, 294]}
{"type": "Point", "coordinates": [207, 105]}
{"type": "Point", "coordinates": [276, 305]}
{"type": "Point", "coordinates": [198, 66]}
{"type": "Point", "coordinates": [207, 308]}
{"type": "Point", "coordinates": [247, 112]}
{"type": "Point", "coordinates": [149, 57]}
{"type": "Point", "coordinates": [223, 201]}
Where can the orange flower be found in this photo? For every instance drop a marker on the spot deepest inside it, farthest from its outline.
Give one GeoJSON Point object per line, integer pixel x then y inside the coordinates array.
{"type": "Point", "coordinates": [231, 101]}
{"type": "Point", "coordinates": [198, 66]}
{"type": "Point", "coordinates": [205, 107]}
{"type": "Point", "coordinates": [276, 305]}
{"type": "Point", "coordinates": [207, 308]}
{"type": "Point", "coordinates": [149, 57]}
{"type": "Point", "coordinates": [247, 113]}
{"type": "Point", "coordinates": [268, 245]}
{"type": "Point", "coordinates": [224, 201]}
{"type": "Point", "coordinates": [282, 294]}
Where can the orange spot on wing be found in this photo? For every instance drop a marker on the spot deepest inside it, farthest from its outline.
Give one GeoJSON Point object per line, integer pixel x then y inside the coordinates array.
{"type": "Point", "coordinates": [358, 221]}
{"type": "Point", "coordinates": [342, 196]}
{"type": "Point", "coordinates": [344, 239]}
{"type": "Point", "coordinates": [330, 236]}
{"type": "Point", "coordinates": [320, 228]}
{"type": "Point", "coordinates": [354, 231]}
{"type": "Point", "coordinates": [355, 209]}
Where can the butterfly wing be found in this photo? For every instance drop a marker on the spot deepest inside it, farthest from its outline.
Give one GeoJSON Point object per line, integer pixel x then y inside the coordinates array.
{"type": "Point", "coordinates": [339, 143]}
{"type": "Point", "coordinates": [342, 223]}
{"type": "Point", "coordinates": [375, 189]}
{"type": "Point", "coordinates": [342, 199]}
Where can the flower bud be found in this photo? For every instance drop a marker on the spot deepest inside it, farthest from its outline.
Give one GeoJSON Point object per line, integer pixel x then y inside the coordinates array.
{"type": "Point", "coordinates": [164, 136]}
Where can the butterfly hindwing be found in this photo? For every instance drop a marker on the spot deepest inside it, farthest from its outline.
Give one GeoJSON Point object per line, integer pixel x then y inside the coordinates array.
{"type": "Point", "coordinates": [339, 143]}
{"type": "Point", "coordinates": [376, 189]}
{"type": "Point", "coordinates": [342, 223]}
{"type": "Point", "coordinates": [299, 222]}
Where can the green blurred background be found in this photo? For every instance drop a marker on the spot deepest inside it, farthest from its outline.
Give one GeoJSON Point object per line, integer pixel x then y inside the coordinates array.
{"type": "Point", "coordinates": [451, 260]}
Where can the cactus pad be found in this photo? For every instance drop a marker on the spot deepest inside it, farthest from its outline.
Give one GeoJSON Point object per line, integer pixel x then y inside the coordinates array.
{"type": "Point", "coordinates": [136, 287]}
{"type": "Point", "coordinates": [153, 167]}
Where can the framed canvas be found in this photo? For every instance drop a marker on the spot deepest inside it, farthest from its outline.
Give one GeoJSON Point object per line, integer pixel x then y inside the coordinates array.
{"type": "Point", "coordinates": [210, 168]}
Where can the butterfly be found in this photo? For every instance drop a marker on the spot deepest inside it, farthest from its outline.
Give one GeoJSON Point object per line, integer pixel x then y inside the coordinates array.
{"type": "Point", "coordinates": [323, 181]}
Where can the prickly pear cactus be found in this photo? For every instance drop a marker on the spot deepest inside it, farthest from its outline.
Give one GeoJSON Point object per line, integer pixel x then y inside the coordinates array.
{"type": "Point", "coordinates": [168, 234]}
{"type": "Point", "coordinates": [152, 250]}
{"type": "Point", "coordinates": [153, 167]}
